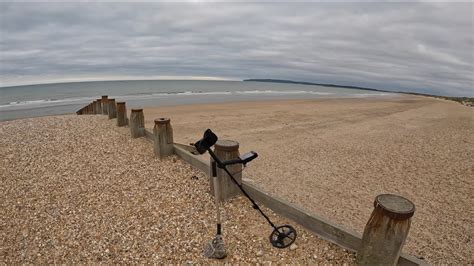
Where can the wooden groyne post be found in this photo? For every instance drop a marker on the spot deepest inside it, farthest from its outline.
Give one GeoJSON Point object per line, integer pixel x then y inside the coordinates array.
{"type": "Point", "coordinates": [137, 123]}
{"type": "Point", "coordinates": [104, 103]}
{"type": "Point", "coordinates": [163, 137]}
{"type": "Point", "coordinates": [227, 150]}
{"type": "Point", "coordinates": [89, 108]}
{"type": "Point", "coordinates": [112, 109]}
{"type": "Point", "coordinates": [121, 114]}
{"type": "Point", "coordinates": [98, 106]}
{"type": "Point", "coordinates": [386, 231]}
{"type": "Point", "coordinates": [94, 109]}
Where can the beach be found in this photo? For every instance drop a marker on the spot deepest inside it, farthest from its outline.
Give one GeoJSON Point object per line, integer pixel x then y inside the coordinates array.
{"type": "Point", "coordinates": [78, 189]}
{"type": "Point", "coordinates": [334, 156]}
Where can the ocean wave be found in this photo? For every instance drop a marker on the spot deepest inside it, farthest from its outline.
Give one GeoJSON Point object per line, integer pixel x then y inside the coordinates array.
{"type": "Point", "coordinates": [45, 102]}
{"type": "Point", "coordinates": [187, 93]}
{"type": "Point", "coordinates": [283, 92]}
{"type": "Point", "coordinates": [140, 96]}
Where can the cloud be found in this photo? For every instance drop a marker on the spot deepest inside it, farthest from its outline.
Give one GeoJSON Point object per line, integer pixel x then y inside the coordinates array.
{"type": "Point", "coordinates": [424, 47]}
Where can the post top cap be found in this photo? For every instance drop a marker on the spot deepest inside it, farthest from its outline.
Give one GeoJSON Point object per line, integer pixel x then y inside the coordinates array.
{"type": "Point", "coordinates": [120, 102]}
{"type": "Point", "coordinates": [137, 110]}
{"type": "Point", "coordinates": [105, 96]}
{"type": "Point", "coordinates": [227, 145]}
{"type": "Point", "coordinates": [162, 120]}
{"type": "Point", "coordinates": [111, 99]}
{"type": "Point", "coordinates": [395, 206]}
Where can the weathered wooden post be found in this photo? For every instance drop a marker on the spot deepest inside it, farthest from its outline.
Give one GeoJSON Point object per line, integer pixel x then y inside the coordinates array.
{"type": "Point", "coordinates": [386, 231]}
{"type": "Point", "coordinates": [226, 150]}
{"type": "Point", "coordinates": [105, 106]}
{"type": "Point", "coordinates": [163, 137]}
{"type": "Point", "coordinates": [137, 123]}
{"type": "Point", "coordinates": [98, 107]}
{"type": "Point", "coordinates": [112, 109]}
{"type": "Point", "coordinates": [88, 108]}
{"type": "Point", "coordinates": [121, 114]}
{"type": "Point", "coordinates": [94, 107]}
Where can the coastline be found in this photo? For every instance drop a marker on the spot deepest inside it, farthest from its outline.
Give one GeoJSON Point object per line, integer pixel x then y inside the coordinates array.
{"type": "Point", "coordinates": [333, 156]}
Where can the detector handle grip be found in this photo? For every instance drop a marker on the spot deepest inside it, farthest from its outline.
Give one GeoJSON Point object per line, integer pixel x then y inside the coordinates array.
{"type": "Point", "coordinates": [243, 159]}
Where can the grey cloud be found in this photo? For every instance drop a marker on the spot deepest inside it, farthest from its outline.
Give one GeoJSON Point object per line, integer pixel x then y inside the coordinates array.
{"type": "Point", "coordinates": [426, 47]}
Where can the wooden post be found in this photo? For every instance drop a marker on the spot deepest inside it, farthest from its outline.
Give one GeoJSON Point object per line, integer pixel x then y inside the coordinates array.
{"type": "Point", "coordinates": [112, 109]}
{"type": "Point", "coordinates": [137, 123]}
{"type": "Point", "coordinates": [226, 150]}
{"type": "Point", "coordinates": [94, 107]}
{"type": "Point", "coordinates": [98, 107]}
{"type": "Point", "coordinates": [104, 104]}
{"type": "Point", "coordinates": [121, 114]}
{"type": "Point", "coordinates": [88, 108]}
{"type": "Point", "coordinates": [163, 142]}
{"type": "Point", "coordinates": [386, 231]}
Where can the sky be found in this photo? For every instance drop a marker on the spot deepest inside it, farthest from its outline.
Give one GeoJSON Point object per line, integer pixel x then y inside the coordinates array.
{"type": "Point", "coordinates": [423, 47]}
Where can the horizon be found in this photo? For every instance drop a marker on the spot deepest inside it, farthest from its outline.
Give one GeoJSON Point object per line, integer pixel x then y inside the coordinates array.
{"type": "Point", "coordinates": [415, 47]}
{"type": "Point", "coordinates": [265, 80]}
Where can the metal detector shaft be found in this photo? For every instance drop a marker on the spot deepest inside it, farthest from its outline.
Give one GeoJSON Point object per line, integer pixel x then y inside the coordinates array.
{"type": "Point", "coordinates": [217, 196]}
{"type": "Point", "coordinates": [255, 206]}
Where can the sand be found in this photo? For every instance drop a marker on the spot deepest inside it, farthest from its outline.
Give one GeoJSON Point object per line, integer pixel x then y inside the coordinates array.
{"type": "Point", "coordinates": [78, 189]}
{"type": "Point", "coordinates": [333, 156]}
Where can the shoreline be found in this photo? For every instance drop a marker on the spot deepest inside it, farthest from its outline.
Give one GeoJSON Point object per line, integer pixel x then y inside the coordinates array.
{"type": "Point", "coordinates": [152, 105]}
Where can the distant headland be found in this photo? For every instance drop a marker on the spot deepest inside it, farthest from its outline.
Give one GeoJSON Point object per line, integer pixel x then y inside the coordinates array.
{"type": "Point", "coordinates": [468, 101]}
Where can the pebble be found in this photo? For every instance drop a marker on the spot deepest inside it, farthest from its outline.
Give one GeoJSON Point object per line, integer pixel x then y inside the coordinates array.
{"type": "Point", "coordinates": [293, 247]}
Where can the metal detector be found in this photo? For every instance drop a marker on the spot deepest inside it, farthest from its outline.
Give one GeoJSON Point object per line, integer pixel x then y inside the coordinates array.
{"type": "Point", "coordinates": [282, 236]}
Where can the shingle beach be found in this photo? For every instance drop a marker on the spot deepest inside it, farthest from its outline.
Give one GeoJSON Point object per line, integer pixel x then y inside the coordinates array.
{"type": "Point", "coordinates": [77, 189]}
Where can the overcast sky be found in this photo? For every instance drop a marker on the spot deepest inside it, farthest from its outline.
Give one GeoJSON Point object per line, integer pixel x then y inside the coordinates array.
{"type": "Point", "coordinates": [424, 47]}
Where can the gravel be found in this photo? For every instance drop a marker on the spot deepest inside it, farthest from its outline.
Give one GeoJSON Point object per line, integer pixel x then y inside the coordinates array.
{"type": "Point", "coordinates": [78, 189]}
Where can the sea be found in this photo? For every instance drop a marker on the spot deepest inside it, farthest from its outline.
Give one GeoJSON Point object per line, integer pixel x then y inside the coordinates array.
{"type": "Point", "coordinates": [66, 98]}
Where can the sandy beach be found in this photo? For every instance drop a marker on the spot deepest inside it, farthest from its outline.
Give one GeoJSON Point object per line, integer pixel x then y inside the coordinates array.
{"type": "Point", "coordinates": [77, 189]}
{"type": "Point", "coordinates": [333, 156]}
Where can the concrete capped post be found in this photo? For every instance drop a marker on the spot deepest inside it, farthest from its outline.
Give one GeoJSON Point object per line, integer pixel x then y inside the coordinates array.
{"type": "Point", "coordinates": [121, 114]}
{"type": "Point", "coordinates": [98, 107]}
{"type": "Point", "coordinates": [163, 142]}
{"type": "Point", "coordinates": [105, 104]}
{"type": "Point", "coordinates": [227, 150]}
{"type": "Point", "coordinates": [386, 231]}
{"type": "Point", "coordinates": [112, 109]}
{"type": "Point", "coordinates": [137, 123]}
